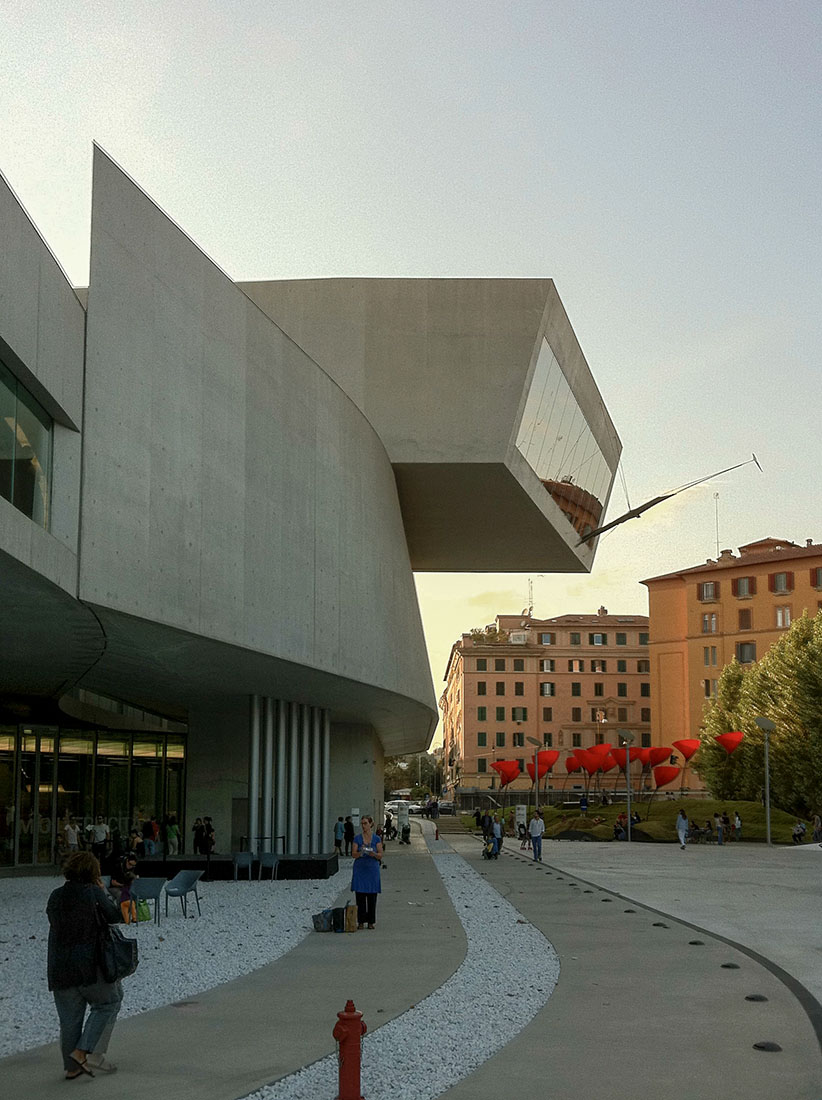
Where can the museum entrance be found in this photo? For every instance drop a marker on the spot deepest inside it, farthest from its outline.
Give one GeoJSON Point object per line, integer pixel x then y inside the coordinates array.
{"type": "Point", "coordinates": [54, 780]}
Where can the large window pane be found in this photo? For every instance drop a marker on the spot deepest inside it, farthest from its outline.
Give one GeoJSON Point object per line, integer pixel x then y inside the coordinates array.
{"type": "Point", "coordinates": [8, 736]}
{"type": "Point", "coordinates": [556, 442]}
{"type": "Point", "coordinates": [32, 463]}
{"type": "Point", "coordinates": [75, 778]}
{"type": "Point", "coordinates": [111, 786]}
{"type": "Point", "coordinates": [8, 419]}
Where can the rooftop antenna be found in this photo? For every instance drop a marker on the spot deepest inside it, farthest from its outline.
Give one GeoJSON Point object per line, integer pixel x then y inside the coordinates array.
{"type": "Point", "coordinates": [530, 598]}
{"type": "Point", "coordinates": [716, 513]}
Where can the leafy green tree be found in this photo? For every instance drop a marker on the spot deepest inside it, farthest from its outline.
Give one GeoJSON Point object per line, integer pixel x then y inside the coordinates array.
{"type": "Point", "coordinates": [785, 685]}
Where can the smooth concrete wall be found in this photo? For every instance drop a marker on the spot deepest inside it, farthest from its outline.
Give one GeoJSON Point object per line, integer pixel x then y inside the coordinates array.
{"type": "Point", "coordinates": [437, 365]}
{"type": "Point", "coordinates": [42, 326]}
{"type": "Point", "coordinates": [357, 767]}
{"type": "Point", "coordinates": [231, 488]}
{"type": "Point", "coordinates": [217, 768]}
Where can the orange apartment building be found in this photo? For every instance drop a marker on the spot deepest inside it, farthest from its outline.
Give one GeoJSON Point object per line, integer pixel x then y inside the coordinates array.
{"type": "Point", "coordinates": [568, 682]}
{"type": "Point", "coordinates": [704, 617]}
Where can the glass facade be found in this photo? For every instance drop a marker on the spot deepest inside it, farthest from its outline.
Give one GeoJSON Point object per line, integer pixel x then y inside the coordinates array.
{"type": "Point", "coordinates": [556, 442]}
{"type": "Point", "coordinates": [26, 432]}
{"type": "Point", "coordinates": [49, 776]}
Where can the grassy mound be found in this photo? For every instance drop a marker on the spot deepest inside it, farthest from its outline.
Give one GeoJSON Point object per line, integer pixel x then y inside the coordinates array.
{"type": "Point", "coordinates": [659, 819]}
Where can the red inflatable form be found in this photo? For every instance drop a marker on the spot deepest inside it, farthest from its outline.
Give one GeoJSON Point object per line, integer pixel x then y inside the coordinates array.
{"type": "Point", "coordinates": [508, 771]}
{"type": "Point", "coordinates": [572, 765]}
{"type": "Point", "coordinates": [730, 742]}
{"type": "Point", "coordinates": [659, 753]}
{"type": "Point", "coordinates": [688, 747]}
{"type": "Point", "coordinates": [619, 756]}
{"type": "Point", "coordinates": [600, 750]}
{"type": "Point", "coordinates": [589, 760]}
{"type": "Point", "coordinates": [663, 775]}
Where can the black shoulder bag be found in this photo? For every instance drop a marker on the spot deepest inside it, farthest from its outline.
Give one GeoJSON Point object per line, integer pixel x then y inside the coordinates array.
{"type": "Point", "coordinates": [117, 954]}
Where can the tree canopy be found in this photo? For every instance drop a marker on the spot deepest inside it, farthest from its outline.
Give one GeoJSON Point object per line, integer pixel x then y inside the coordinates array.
{"type": "Point", "coordinates": [785, 685]}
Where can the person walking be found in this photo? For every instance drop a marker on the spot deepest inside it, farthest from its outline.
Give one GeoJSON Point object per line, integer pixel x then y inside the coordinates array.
{"type": "Point", "coordinates": [100, 835]}
{"type": "Point", "coordinates": [72, 834]}
{"type": "Point", "coordinates": [348, 835]}
{"type": "Point", "coordinates": [365, 873]}
{"type": "Point", "coordinates": [339, 833]}
{"type": "Point", "coordinates": [682, 828]}
{"type": "Point", "coordinates": [496, 830]}
{"type": "Point", "coordinates": [817, 827]}
{"type": "Point", "coordinates": [738, 826]}
{"type": "Point", "coordinates": [198, 829]}
{"type": "Point", "coordinates": [75, 911]}
{"type": "Point", "coordinates": [536, 828]}
{"type": "Point", "coordinates": [718, 827]}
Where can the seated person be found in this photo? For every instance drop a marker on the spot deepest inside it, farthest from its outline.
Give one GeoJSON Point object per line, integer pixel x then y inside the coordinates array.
{"type": "Point", "coordinates": [798, 832]}
{"type": "Point", "coordinates": [635, 818]}
{"type": "Point", "coordinates": [121, 878]}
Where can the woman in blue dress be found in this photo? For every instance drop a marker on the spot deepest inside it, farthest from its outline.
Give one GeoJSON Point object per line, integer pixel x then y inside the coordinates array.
{"type": "Point", "coordinates": [365, 877]}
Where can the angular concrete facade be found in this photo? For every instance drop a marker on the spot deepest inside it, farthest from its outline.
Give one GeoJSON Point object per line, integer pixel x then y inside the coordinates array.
{"type": "Point", "coordinates": [237, 505]}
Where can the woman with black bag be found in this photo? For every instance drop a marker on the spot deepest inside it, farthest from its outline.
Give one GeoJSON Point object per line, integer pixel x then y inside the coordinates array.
{"type": "Point", "coordinates": [79, 913]}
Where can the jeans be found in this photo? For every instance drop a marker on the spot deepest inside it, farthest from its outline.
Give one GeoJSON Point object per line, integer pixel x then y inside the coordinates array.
{"type": "Point", "coordinates": [536, 844]}
{"type": "Point", "coordinates": [104, 999]}
{"type": "Point", "coordinates": [148, 846]}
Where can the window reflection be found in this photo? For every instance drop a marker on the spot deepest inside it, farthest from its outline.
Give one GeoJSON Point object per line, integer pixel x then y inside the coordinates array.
{"type": "Point", "coordinates": [55, 782]}
{"type": "Point", "coordinates": [25, 449]}
{"type": "Point", "coordinates": [557, 443]}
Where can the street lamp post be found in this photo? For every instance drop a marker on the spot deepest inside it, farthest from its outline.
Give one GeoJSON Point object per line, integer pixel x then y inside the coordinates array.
{"type": "Point", "coordinates": [767, 727]}
{"type": "Point", "coordinates": [537, 746]}
{"type": "Point", "coordinates": [627, 739]}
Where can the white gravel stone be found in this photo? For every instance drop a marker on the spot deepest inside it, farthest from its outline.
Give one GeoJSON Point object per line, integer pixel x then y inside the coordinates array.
{"type": "Point", "coordinates": [243, 926]}
{"type": "Point", "coordinates": [446, 1036]}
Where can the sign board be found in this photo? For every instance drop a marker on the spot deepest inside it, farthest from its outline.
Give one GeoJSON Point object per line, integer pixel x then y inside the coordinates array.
{"type": "Point", "coordinates": [355, 817]}
{"type": "Point", "coordinates": [520, 815]}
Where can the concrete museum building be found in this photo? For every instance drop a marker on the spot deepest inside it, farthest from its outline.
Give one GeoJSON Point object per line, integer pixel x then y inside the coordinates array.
{"type": "Point", "coordinates": [213, 497]}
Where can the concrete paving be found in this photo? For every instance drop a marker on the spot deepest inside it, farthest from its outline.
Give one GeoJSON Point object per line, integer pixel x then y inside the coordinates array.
{"type": "Point", "coordinates": [643, 1001]}
{"type": "Point", "coordinates": [231, 1040]}
{"type": "Point", "coordinates": [639, 1005]}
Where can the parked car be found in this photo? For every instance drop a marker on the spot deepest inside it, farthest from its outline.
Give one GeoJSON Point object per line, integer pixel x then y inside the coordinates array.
{"type": "Point", "coordinates": [414, 808]}
{"type": "Point", "coordinates": [448, 808]}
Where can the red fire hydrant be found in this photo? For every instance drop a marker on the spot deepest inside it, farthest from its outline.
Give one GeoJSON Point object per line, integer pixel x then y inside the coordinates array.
{"type": "Point", "coordinates": [348, 1031]}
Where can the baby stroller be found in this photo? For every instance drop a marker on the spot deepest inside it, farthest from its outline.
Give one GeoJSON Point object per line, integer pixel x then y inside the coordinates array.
{"type": "Point", "coordinates": [490, 849]}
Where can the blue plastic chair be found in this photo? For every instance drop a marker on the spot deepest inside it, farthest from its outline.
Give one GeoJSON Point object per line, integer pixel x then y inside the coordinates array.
{"type": "Point", "coordinates": [150, 890]}
{"type": "Point", "coordinates": [242, 862]}
{"type": "Point", "coordinates": [183, 884]}
{"type": "Point", "coordinates": [268, 860]}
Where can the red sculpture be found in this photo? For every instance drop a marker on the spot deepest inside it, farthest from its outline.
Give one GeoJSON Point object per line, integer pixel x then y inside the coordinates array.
{"type": "Point", "coordinates": [508, 771]}
{"type": "Point", "coordinates": [730, 741]}
{"type": "Point", "coordinates": [600, 750]}
{"type": "Point", "coordinates": [589, 760]}
{"type": "Point", "coordinates": [659, 753]}
{"type": "Point", "coordinates": [619, 756]}
{"type": "Point", "coordinates": [665, 774]}
{"type": "Point", "coordinates": [688, 746]}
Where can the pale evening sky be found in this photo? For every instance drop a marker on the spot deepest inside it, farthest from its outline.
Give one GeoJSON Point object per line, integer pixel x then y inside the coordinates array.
{"type": "Point", "coordinates": [660, 161]}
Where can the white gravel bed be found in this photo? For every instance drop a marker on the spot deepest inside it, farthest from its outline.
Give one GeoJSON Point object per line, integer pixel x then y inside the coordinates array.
{"type": "Point", "coordinates": [243, 926]}
{"type": "Point", "coordinates": [450, 1033]}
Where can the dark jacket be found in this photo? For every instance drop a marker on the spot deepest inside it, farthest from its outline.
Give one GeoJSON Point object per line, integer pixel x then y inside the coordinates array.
{"type": "Point", "coordinates": [74, 933]}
